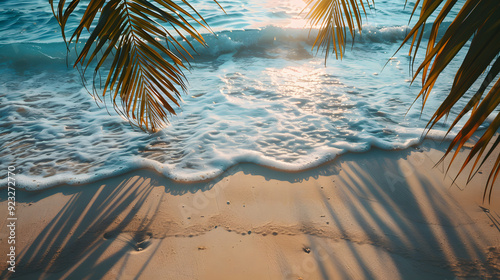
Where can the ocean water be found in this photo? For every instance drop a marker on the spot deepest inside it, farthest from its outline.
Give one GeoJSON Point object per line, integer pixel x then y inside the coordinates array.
{"type": "Point", "coordinates": [257, 94]}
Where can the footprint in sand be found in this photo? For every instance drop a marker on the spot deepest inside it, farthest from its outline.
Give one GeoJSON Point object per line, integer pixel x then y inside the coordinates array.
{"type": "Point", "coordinates": [139, 240]}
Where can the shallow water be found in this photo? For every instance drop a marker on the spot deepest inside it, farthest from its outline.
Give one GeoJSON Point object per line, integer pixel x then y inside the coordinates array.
{"type": "Point", "coordinates": [256, 94]}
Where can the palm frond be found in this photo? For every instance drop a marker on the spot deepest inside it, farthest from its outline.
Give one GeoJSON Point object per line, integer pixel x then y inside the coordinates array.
{"type": "Point", "coordinates": [145, 73]}
{"type": "Point", "coordinates": [334, 17]}
{"type": "Point", "coordinates": [477, 22]}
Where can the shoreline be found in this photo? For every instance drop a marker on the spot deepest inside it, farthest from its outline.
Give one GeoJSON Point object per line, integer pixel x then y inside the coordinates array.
{"type": "Point", "coordinates": [376, 214]}
{"type": "Point", "coordinates": [229, 168]}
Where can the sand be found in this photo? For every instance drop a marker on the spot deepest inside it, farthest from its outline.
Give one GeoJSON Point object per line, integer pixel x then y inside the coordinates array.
{"type": "Point", "coordinates": [374, 215]}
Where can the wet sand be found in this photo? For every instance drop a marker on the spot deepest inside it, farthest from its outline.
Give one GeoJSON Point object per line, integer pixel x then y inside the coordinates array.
{"type": "Point", "coordinates": [374, 215]}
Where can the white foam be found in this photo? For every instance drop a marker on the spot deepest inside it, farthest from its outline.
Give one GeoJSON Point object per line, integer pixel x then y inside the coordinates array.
{"type": "Point", "coordinates": [258, 95]}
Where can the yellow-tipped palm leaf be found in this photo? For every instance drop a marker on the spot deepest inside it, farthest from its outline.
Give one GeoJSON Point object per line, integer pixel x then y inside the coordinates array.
{"type": "Point", "coordinates": [333, 16]}
{"type": "Point", "coordinates": [477, 22]}
{"type": "Point", "coordinates": [145, 73]}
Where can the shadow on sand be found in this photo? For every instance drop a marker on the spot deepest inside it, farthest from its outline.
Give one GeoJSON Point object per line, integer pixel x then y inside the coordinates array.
{"type": "Point", "coordinates": [413, 221]}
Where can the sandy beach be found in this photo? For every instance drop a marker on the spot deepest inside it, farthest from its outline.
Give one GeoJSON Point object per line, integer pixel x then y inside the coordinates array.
{"type": "Point", "coordinates": [249, 139]}
{"type": "Point", "coordinates": [374, 215]}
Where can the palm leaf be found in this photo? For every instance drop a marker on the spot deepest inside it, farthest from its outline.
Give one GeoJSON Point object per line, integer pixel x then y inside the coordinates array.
{"type": "Point", "coordinates": [477, 22]}
{"type": "Point", "coordinates": [334, 17]}
{"type": "Point", "coordinates": [145, 76]}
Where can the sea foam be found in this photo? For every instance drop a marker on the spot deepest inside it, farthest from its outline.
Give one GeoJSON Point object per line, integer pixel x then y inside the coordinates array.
{"type": "Point", "coordinates": [258, 93]}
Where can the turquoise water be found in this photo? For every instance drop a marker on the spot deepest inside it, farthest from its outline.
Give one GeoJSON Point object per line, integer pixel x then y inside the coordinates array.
{"type": "Point", "coordinates": [257, 94]}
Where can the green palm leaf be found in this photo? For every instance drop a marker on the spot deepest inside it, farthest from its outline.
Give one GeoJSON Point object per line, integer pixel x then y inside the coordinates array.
{"type": "Point", "coordinates": [144, 73]}
{"type": "Point", "coordinates": [477, 22]}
